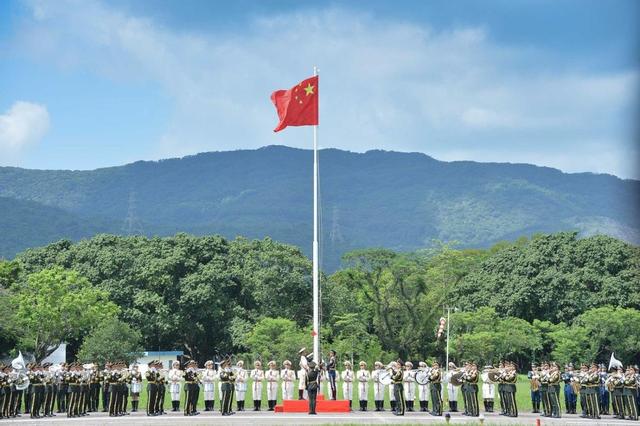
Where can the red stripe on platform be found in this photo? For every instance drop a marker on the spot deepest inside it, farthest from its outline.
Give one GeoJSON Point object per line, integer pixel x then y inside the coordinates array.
{"type": "Point", "coordinates": [322, 406]}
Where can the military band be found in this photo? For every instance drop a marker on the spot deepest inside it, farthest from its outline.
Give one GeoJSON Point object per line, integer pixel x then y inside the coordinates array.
{"type": "Point", "coordinates": [77, 387]}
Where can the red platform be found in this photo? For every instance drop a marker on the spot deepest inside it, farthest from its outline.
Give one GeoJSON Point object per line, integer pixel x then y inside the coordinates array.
{"type": "Point", "coordinates": [322, 406]}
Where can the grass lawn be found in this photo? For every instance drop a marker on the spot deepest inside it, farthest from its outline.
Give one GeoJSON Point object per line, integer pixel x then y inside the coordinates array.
{"type": "Point", "coordinates": [523, 397]}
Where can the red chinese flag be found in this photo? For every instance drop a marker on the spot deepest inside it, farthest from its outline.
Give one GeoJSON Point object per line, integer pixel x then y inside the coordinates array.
{"type": "Point", "coordinates": [297, 106]}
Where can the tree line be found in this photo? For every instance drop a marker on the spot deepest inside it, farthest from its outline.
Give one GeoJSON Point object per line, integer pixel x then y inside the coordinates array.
{"type": "Point", "coordinates": [553, 296]}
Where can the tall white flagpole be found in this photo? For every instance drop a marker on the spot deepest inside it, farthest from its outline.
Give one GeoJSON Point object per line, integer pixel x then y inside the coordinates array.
{"type": "Point", "coordinates": [316, 298]}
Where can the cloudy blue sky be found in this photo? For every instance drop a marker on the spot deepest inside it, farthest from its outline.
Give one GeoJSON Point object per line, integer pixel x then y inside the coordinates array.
{"type": "Point", "coordinates": [86, 84]}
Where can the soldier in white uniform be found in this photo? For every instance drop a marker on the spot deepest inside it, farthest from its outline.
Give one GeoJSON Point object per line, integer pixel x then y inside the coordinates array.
{"type": "Point", "coordinates": [272, 375]}
{"type": "Point", "coordinates": [256, 376]}
{"type": "Point", "coordinates": [175, 377]}
{"type": "Point", "coordinates": [241, 385]}
{"type": "Point", "coordinates": [409, 382]}
{"type": "Point", "coordinates": [302, 390]}
{"type": "Point", "coordinates": [288, 376]}
{"type": "Point", "coordinates": [302, 374]}
{"type": "Point", "coordinates": [423, 390]}
{"type": "Point", "coordinates": [378, 387]}
{"type": "Point", "coordinates": [452, 391]}
{"type": "Point", "coordinates": [208, 378]}
{"type": "Point", "coordinates": [392, 397]}
{"type": "Point", "coordinates": [347, 377]}
{"type": "Point", "coordinates": [363, 376]}
{"type": "Point", "coordinates": [488, 389]}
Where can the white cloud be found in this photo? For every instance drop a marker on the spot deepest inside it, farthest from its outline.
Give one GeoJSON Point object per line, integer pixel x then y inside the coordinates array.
{"type": "Point", "coordinates": [24, 124]}
{"type": "Point", "coordinates": [384, 84]}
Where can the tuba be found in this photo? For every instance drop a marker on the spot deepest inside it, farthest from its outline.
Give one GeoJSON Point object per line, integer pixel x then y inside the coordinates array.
{"type": "Point", "coordinates": [19, 376]}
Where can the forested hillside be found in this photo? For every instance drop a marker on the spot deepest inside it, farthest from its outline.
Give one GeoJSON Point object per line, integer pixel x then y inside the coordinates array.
{"type": "Point", "coordinates": [401, 201]}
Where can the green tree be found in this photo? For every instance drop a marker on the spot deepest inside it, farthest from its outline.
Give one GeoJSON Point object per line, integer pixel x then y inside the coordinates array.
{"type": "Point", "coordinates": [111, 340]}
{"type": "Point", "coordinates": [54, 305]}
{"type": "Point", "coordinates": [597, 333]}
{"type": "Point", "coordinates": [554, 277]}
{"type": "Point", "coordinates": [278, 339]}
{"type": "Point", "coordinates": [484, 336]}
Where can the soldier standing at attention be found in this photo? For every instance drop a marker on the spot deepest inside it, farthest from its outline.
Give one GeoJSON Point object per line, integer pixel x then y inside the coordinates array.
{"type": "Point", "coordinates": [452, 390]}
{"type": "Point", "coordinates": [603, 391]}
{"type": "Point", "coordinates": [544, 390]}
{"type": "Point", "coordinates": [105, 387]}
{"type": "Point", "coordinates": [152, 388]}
{"type": "Point", "coordinates": [288, 376]}
{"type": "Point", "coordinates": [488, 389]}
{"type": "Point", "coordinates": [191, 389]}
{"type": "Point", "coordinates": [363, 376]}
{"type": "Point", "coordinates": [423, 390]}
{"type": "Point", "coordinates": [409, 380]}
{"type": "Point", "coordinates": [241, 384]}
{"type": "Point", "coordinates": [435, 378]}
{"type": "Point", "coordinates": [312, 380]}
{"type": "Point", "coordinates": [272, 376]}
{"type": "Point", "coordinates": [331, 369]}
{"type": "Point", "coordinates": [62, 388]}
{"type": "Point", "coordinates": [569, 396]}
{"type": "Point", "coordinates": [208, 376]}
{"type": "Point", "coordinates": [175, 377]}
{"type": "Point", "coordinates": [347, 383]}
{"type": "Point", "coordinates": [398, 391]}
{"type": "Point", "coordinates": [378, 387]}
{"type": "Point", "coordinates": [162, 388]}
{"type": "Point", "coordinates": [304, 367]}
{"type": "Point", "coordinates": [257, 376]}
{"type": "Point", "coordinates": [227, 379]}
{"type": "Point", "coordinates": [136, 387]}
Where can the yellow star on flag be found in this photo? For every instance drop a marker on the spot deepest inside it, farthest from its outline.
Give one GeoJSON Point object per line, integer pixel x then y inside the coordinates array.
{"type": "Point", "coordinates": [309, 89]}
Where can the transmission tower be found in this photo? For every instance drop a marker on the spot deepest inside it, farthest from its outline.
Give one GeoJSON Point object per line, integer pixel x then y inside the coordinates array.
{"type": "Point", "coordinates": [336, 234]}
{"type": "Point", "coordinates": [132, 225]}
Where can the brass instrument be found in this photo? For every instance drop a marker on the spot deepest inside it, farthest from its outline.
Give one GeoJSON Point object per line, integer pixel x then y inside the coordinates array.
{"type": "Point", "coordinates": [456, 378]}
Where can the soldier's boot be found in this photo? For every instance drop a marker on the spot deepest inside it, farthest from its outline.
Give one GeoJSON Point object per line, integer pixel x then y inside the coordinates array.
{"type": "Point", "coordinates": [300, 394]}
{"type": "Point", "coordinates": [350, 405]}
{"type": "Point", "coordinates": [271, 405]}
{"type": "Point", "coordinates": [454, 406]}
{"type": "Point", "coordinates": [365, 403]}
{"type": "Point", "coordinates": [238, 406]}
{"type": "Point", "coordinates": [242, 406]}
{"type": "Point", "coordinates": [410, 405]}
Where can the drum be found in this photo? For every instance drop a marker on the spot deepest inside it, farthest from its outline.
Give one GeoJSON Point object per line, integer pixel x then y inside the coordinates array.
{"type": "Point", "coordinates": [385, 378]}
{"type": "Point", "coordinates": [422, 377]}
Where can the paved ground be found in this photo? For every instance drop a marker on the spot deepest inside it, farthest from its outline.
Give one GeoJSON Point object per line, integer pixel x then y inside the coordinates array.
{"type": "Point", "coordinates": [266, 418]}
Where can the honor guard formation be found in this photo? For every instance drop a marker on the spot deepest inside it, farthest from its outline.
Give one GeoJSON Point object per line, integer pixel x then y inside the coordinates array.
{"type": "Point", "coordinates": [44, 390]}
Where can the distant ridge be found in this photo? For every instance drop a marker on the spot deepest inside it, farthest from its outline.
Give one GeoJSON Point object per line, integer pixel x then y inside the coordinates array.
{"type": "Point", "coordinates": [403, 201]}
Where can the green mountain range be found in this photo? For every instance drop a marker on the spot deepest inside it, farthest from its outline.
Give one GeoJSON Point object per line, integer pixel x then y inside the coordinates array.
{"type": "Point", "coordinates": [403, 201]}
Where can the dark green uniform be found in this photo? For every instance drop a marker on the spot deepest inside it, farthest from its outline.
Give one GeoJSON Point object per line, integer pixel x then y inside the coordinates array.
{"type": "Point", "coordinates": [554, 393]}
{"type": "Point", "coordinates": [435, 380]}
{"type": "Point", "coordinates": [227, 378]}
{"type": "Point", "coordinates": [191, 392]}
{"type": "Point", "coordinates": [398, 391]}
{"type": "Point", "coordinates": [470, 391]}
{"type": "Point", "coordinates": [629, 396]}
